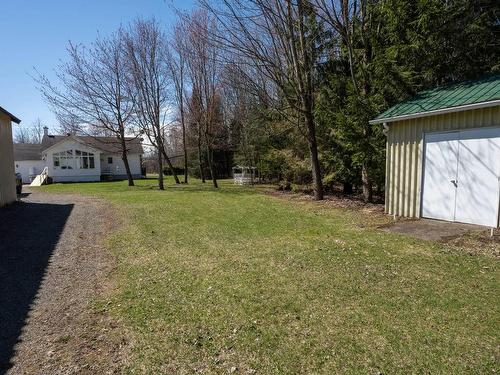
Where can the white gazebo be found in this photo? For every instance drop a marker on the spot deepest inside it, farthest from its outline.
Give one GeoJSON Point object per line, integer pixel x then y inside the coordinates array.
{"type": "Point", "coordinates": [243, 175]}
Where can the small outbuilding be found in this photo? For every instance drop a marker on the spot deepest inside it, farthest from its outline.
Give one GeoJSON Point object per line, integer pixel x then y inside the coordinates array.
{"type": "Point", "coordinates": [443, 153]}
{"type": "Point", "coordinates": [7, 176]}
{"type": "Point", "coordinates": [244, 175]}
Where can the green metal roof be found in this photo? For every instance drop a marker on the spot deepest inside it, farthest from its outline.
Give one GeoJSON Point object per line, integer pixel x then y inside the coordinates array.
{"type": "Point", "coordinates": [459, 94]}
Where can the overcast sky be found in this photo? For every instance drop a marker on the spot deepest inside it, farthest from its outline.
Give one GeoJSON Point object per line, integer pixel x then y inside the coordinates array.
{"type": "Point", "coordinates": [35, 35]}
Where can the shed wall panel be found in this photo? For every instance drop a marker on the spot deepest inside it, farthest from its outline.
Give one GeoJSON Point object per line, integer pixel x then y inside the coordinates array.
{"type": "Point", "coordinates": [7, 177]}
{"type": "Point", "coordinates": [405, 149]}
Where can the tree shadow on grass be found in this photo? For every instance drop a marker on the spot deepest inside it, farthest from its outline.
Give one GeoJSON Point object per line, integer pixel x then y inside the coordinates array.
{"type": "Point", "coordinates": [29, 233]}
{"type": "Point", "coordinates": [225, 189]}
{"type": "Point", "coordinates": [226, 186]}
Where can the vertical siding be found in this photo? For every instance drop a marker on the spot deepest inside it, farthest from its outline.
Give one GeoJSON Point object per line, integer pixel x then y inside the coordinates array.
{"type": "Point", "coordinates": [7, 179]}
{"type": "Point", "coordinates": [405, 153]}
{"type": "Point", "coordinates": [388, 162]}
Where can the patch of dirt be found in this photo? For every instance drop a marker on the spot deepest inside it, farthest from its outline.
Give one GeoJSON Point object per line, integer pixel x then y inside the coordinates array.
{"type": "Point", "coordinates": [456, 237]}
{"type": "Point", "coordinates": [64, 331]}
{"type": "Point", "coordinates": [350, 202]}
{"type": "Point", "coordinates": [476, 243]}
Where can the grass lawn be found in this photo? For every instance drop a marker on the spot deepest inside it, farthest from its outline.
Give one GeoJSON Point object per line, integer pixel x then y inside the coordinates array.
{"type": "Point", "coordinates": [235, 281]}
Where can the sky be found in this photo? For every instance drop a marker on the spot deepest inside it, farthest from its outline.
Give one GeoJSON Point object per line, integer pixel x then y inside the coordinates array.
{"type": "Point", "coordinates": [35, 35]}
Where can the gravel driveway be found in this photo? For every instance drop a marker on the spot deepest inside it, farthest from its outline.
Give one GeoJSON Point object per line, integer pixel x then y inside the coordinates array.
{"type": "Point", "coordinates": [52, 267]}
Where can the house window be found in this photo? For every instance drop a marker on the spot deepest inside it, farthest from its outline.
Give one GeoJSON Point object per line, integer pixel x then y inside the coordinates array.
{"type": "Point", "coordinates": [78, 159]}
{"type": "Point", "coordinates": [85, 160]}
{"type": "Point", "coordinates": [64, 159]}
{"type": "Point", "coordinates": [110, 160]}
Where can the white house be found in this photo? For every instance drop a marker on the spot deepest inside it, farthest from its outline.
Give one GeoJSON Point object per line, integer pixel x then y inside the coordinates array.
{"type": "Point", "coordinates": [74, 158]}
{"type": "Point", "coordinates": [28, 161]}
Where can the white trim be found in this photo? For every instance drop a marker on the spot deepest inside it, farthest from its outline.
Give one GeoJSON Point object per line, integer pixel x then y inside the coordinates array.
{"type": "Point", "coordinates": [73, 138]}
{"type": "Point", "coordinates": [460, 108]}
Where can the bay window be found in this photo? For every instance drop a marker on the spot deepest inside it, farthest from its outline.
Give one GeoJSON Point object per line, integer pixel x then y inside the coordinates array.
{"type": "Point", "coordinates": [64, 159]}
{"type": "Point", "coordinates": [74, 159]}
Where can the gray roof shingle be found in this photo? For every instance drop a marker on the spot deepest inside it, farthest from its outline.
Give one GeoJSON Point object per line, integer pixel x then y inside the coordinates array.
{"type": "Point", "coordinates": [109, 145]}
{"type": "Point", "coordinates": [27, 151]}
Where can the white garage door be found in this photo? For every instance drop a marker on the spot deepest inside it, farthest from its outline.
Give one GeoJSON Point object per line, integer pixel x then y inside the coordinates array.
{"type": "Point", "coordinates": [462, 176]}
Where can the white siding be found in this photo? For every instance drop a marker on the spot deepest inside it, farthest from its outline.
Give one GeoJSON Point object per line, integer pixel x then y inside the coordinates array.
{"type": "Point", "coordinates": [65, 175]}
{"type": "Point", "coordinates": [24, 166]}
{"type": "Point", "coordinates": [117, 167]}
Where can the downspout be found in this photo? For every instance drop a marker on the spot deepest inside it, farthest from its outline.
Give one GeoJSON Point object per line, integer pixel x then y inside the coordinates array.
{"type": "Point", "coordinates": [385, 131]}
{"type": "Point", "coordinates": [498, 212]}
{"type": "Point", "coordinates": [386, 128]}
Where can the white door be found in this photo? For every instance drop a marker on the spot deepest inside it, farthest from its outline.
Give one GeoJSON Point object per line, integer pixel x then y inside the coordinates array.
{"type": "Point", "coordinates": [461, 176]}
{"type": "Point", "coordinates": [440, 175]}
{"type": "Point", "coordinates": [478, 177]}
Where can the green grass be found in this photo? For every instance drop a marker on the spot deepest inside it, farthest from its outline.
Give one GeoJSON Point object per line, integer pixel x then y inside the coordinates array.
{"type": "Point", "coordinates": [235, 280]}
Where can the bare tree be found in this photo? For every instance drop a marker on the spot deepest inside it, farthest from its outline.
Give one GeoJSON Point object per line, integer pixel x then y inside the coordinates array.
{"type": "Point", "coordinates": [149, 76]}
{"type": "Point", "coordinates": [278, 38]}
{"type": "Point", "coordinates": [240, 106]}
{"type": "Point", "coordinates": [205, 68]}
{"type": "Point", "coordinates": [36, 131]}
{"type": "Point", "coordinates": [93, 97]}
{"type": "Point", "coordinates": [32, 134]}
{"type": "Point", "coordinates": [68, 124]}
{"type": "Point", "coordinates": [348, 18]}
{"type": "Point", "coordinates": [195, 114]}
{"type": "Point", "coordinates": [340, 16]}
{"type": "Point", "coordinates": [177, 66]}
{"type": "Point", "coordinates": [22, 135]}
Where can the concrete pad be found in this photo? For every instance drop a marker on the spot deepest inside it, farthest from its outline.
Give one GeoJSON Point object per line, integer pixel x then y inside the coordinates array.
{"type": "Point", "coordinates": [432, 230]}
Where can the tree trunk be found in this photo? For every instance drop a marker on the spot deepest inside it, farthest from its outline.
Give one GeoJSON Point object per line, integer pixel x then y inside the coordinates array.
{"type": "Point", "coordinates": [212, 167]}
{"type": "Point", "coordinates": [367, 53]}
{"type": "Point", "coordinates": [367, 183]}
{"type": "Point", "coordinates": [160, 164]}
{"type": "Point", "coordinates": [200, 157]}
{"type": "Point", "coordinates": [170, 166]}
{"type": "Point", "coordinates": [302, 67]}
{"type": "Point", "coordinates": [127, 169]}
{"type": "Point", "coordinates": [313, 151]}
{"type": "Point", "coordinates": [347, 188]}
{"type": "Point", "coordinates": [226, 166]}
{"type": "Point", "coordinates": [365, 168]}
{"type": "Point", "coordinates": [125, 161]}
{"type": "Point", "coordinates": [184, 146]}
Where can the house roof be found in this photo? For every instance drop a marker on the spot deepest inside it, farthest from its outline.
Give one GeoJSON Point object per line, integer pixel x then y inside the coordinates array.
{"type": "Point", "coordinates": [27, 151]}
{"type": "Point", "coordinates": [109, 145]}
{"type": "Point", "coordinates": [483, 92]}
{"type": "Point", "coordinates": [12, 117]}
